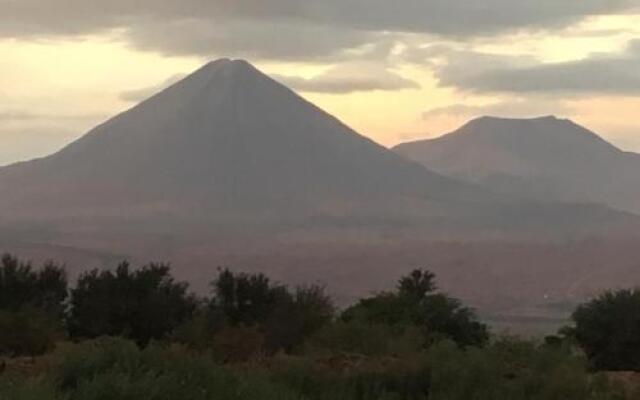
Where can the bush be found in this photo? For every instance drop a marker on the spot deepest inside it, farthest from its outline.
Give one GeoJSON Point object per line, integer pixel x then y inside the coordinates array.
{"type": "Point", "coordinates": [367, 339]}
{"type": "Point", "coordinates": [197, 333]}
{"type": "Point", "coordinates": [20, 388]}
{"type": "Point", "coordinates": [28, 332]}
{"type": "Point", "coordinates": [512, 369]}
{"type": "Point", "coordinates": [111, 368]}
{"type": "Point", "coordinates": [141, 305]}
{"type": "Point", "coordinates": [354, 378]}
{"type": "Point", "coordinates": [235, 344]}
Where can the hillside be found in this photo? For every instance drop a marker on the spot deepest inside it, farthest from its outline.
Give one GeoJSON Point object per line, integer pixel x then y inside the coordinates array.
{"type": "Point", "coordinates": [546, 159]}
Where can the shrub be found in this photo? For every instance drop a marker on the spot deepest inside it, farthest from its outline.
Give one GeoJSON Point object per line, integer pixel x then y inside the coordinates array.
{"type": "Point", "coordinates": [28, 332]}
{"type": "Point", "coordinates": [197, 332]}
{"type": "Point", "coordinates": [21, 388]}
{"type": "Point", "coordinates": [512, 369]}
{"type": "Point", "coordinates": [367, 339]}
{"type": "Point", "coordinates": [238, 344]}
{"type": "Point", "coordinates": [354, 378]}
{"type": "Point", "coordinates": [111, 368]}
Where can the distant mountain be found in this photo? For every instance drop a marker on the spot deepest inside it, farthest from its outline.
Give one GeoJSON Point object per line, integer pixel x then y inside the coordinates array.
{"type": "Point", "coordinates": [546, 159]}
{"type": "Point", "coordinates": [226, 143]}
{"type": "Point", "coordinates": [229, 146]}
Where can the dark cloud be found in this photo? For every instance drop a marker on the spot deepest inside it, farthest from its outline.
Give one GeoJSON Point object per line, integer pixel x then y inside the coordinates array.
{"type": "Point", "coordinates": [617, 74]}
{"type": "Point", "coordinates": [253, 39]}
{"type": "Point", "coordinates": [287, 29]}
{"type": "Point", "coordinates": [348, 78]}
{"type": "Point", "coordinates": [454, 17]}
{"type": "Point", "coordinates": [462, 17]}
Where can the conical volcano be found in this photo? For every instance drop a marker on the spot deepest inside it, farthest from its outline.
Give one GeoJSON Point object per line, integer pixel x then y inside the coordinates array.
{"type": "Point", "coordinates": [227, 142]}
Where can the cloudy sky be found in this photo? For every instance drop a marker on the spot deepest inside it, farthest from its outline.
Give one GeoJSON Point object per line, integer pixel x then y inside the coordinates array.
{"type": "Point", "coordinates": [393, 70]}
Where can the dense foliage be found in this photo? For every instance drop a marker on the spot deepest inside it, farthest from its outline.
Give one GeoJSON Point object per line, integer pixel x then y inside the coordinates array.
{"type": "Point", "coordinates": [21, 286]}
{"type": "Point", "coordinates": [285, 317]}
{"type": "Point", "coordinates": [32, 305]}
{"type": "Point", "coordinates": [608, 329]}
{"type": "Point", "coordinates": [142, 305]}
{"type": "Point", "coordinates": [28, 332]}
{"type": "Point", "coordinates": [415, 303]}
{"type": "Point", "coordinates": [109, 368]}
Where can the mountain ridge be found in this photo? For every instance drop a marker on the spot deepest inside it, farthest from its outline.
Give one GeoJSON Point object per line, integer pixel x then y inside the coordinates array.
{"type": "Point", "coordinates": [539, 158]}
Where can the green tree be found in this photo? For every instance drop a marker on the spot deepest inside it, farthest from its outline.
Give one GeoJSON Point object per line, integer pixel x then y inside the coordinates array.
{"type": "Point", "coordinates": [608, 330]}
{"type": "Point", "coordinates": [417, 285]}
{"type": "Point", "coordinates": [247, 298]}
{"type": "Point", "coordinates": [296, 317]}
{"type": "Point", "coordinates": [32, 305]}
{"type": "Point", "coordinates": [286, 318]}
{"type": "Point", "coordinates": [416, 303]}
{"type": "Point", "coordinates": [142, 304]}
{"type": "Point", "coordinates": [21, 285]}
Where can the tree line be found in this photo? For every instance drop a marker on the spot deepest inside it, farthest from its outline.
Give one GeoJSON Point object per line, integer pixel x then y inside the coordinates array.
{"type": "Point", "coordinates": [146, 304]}
{"type": "Point", "coordinates": [246, 314]}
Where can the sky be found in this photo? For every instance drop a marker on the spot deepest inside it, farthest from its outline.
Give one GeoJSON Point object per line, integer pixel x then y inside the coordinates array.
{"type": "Point", "coordinates": [393, 70]}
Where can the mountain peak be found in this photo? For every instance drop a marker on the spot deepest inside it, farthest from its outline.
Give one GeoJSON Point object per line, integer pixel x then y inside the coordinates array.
{"type": "Point", "coordinates": [227, 65]}
{"type": "Point", "coordinates": [222, 70]}
{"type": "Point", "coordinates": [544, 132]}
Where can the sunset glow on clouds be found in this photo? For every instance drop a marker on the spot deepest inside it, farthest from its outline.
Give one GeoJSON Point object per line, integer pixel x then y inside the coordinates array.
{"type": "Point", "coordinates": [392, 70]}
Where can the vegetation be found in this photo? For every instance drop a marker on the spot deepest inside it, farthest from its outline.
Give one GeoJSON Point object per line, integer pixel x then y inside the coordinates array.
{"type": "Point", "coordinates": [285, 317]}
{"type": "Point", "coordinates": [141, 305]}
{"type": "Point", "coordinates": [139, 334]}
{"type": "Point", "coordinates": [28, 332]}
{"type": "Point", "coordinates": [32, 304]}
{"type": "Point", "coordinates": [21, 286]}
{"type": "Point", "coordinates": [608, 330]}
{"type": "Point", "coordinates": [112, 368]}
{"type": "Point", "coordinates": [415, 303]}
